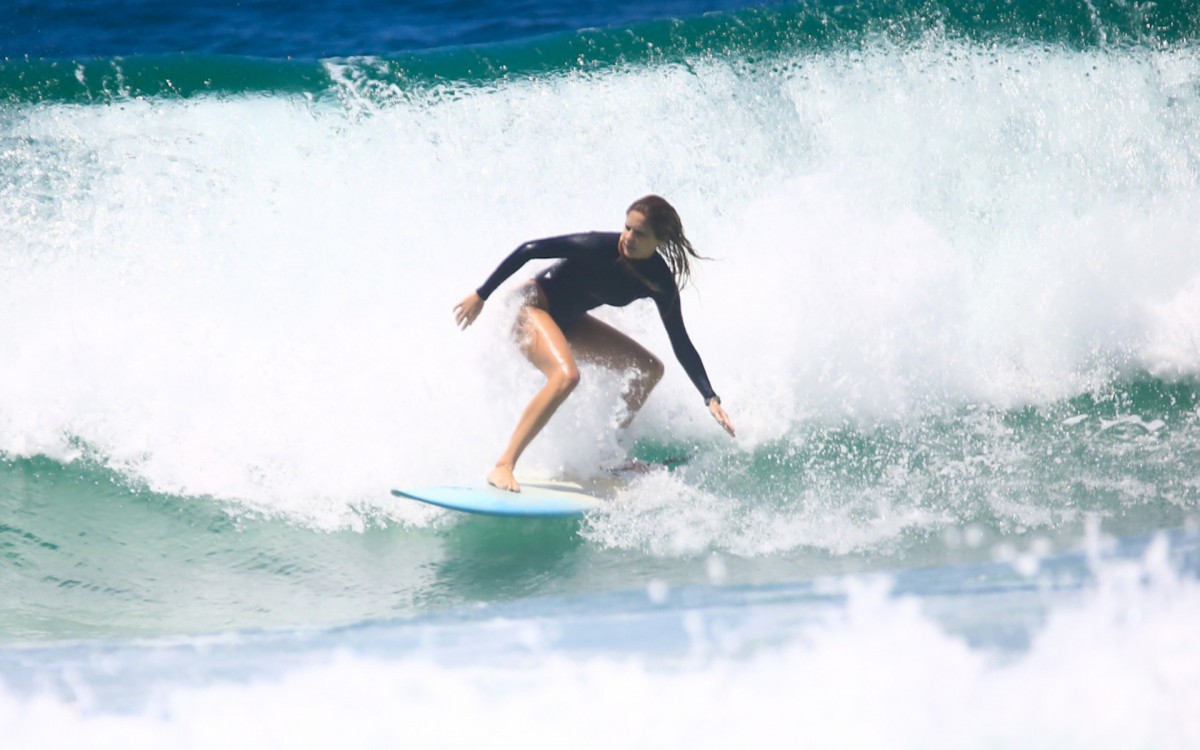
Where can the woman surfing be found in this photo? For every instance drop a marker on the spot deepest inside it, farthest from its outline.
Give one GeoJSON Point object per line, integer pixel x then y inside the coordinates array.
{"type": "Point", "coordinates": [554, 329]}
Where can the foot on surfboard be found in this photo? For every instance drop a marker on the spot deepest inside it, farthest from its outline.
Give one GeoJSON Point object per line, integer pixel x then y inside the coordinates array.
{"type": "Point", "coordinates": [502, 478]}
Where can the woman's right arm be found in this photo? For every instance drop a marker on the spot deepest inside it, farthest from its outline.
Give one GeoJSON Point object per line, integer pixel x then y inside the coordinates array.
{"type": "Point", "coordinates": [466, 311]}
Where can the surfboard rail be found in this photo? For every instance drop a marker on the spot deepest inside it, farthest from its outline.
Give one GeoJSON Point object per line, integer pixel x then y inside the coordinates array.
{"type": "Point", "coordinates": [535, 500]}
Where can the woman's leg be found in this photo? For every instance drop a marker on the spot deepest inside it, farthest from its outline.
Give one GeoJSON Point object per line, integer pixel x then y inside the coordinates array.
{"type": "Point", "coordinates": [595, 341]}
{"type": "Point", "coordinates": [543, 343]}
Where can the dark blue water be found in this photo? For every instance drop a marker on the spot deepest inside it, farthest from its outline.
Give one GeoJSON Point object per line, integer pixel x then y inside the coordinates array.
{"type": "Point", "coordinates": [308, 30]}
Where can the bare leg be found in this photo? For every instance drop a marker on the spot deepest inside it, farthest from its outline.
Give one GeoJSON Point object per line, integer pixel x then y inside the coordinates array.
{"type": "Point", "coordinates": [595, 341]}
{"type": "Point", "coordinates": [543, 344]}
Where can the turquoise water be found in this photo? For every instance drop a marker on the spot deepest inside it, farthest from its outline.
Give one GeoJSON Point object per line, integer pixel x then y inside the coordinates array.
{"type": "Point", "coordinates": [95, 555]}
{"type": "Point", "coordinates": [952, 306]}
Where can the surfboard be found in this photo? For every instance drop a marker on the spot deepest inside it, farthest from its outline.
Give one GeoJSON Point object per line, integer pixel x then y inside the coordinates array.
{"type": "Point", "coordinates": [536, 499]}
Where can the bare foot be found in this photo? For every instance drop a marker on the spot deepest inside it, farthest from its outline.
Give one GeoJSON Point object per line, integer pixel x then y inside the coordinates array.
{"type": "Point", "coordinates": [631, 466]}
{"type": "Point", "coordinates": [502, 478]}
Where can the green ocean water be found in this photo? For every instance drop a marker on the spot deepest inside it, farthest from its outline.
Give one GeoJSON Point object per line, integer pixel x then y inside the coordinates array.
{"type": "Point", "coordinates": [764, 37]}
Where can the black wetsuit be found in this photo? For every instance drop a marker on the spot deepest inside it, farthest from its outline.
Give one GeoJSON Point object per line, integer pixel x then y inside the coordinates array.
{"type": "Point", "coordinates": [592, 272]}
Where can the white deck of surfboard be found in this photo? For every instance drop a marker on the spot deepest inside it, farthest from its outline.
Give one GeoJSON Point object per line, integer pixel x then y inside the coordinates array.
{"type": "Point", "coordinates": [536, 499]}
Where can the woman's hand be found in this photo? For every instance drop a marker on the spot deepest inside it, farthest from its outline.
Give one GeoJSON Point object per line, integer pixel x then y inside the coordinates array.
{"type": "Point", "coordinates": [468, 310]}
{"type": "Point", "coordinates": [714, 407]}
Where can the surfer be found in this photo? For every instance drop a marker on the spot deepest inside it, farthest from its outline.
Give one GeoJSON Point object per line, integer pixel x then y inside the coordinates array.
{"type": "Point", "coordinates": [650, 258]}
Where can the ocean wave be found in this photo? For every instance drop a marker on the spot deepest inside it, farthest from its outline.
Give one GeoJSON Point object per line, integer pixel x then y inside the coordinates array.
{"type": "Point", "coordinates": [247, 297]}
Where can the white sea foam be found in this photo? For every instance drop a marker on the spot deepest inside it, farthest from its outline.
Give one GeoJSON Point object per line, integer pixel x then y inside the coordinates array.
{"type": "Point", "coordinates": [1119, 668]}
{"type": "Point", "coordinates": [250, 297]}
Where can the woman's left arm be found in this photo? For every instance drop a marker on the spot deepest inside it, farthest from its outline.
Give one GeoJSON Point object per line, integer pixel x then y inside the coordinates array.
{"type": "Point", "coordinates": [685, 351]}
{"type": "Point", "coordinates": [714, 407]}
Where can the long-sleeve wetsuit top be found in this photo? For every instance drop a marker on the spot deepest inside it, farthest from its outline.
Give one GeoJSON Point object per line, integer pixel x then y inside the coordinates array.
{"type": "Point", "coordinates": [592, 273]}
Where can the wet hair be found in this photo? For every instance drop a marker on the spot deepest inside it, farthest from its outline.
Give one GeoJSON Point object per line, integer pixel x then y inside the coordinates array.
{"type": "Point", "coordinates": [665, 223]}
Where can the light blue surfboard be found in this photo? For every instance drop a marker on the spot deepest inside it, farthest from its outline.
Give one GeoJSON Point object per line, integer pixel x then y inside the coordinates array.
{"type": "Point", "coordinates": [536, 499]}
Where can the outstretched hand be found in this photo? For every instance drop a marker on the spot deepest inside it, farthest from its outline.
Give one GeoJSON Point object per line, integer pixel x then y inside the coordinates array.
{"type": "Point", "coordinates": [468, 310]}
{"type": "Point", "coordinates": [714, 407]}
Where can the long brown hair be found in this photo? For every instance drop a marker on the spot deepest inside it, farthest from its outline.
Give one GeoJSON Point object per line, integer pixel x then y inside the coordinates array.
{"type": "Point", "coordinates": [675, 247]}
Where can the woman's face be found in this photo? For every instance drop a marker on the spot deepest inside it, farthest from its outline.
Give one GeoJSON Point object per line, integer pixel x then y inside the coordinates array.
{"type": "Point", "coordinates": [638, 241]}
